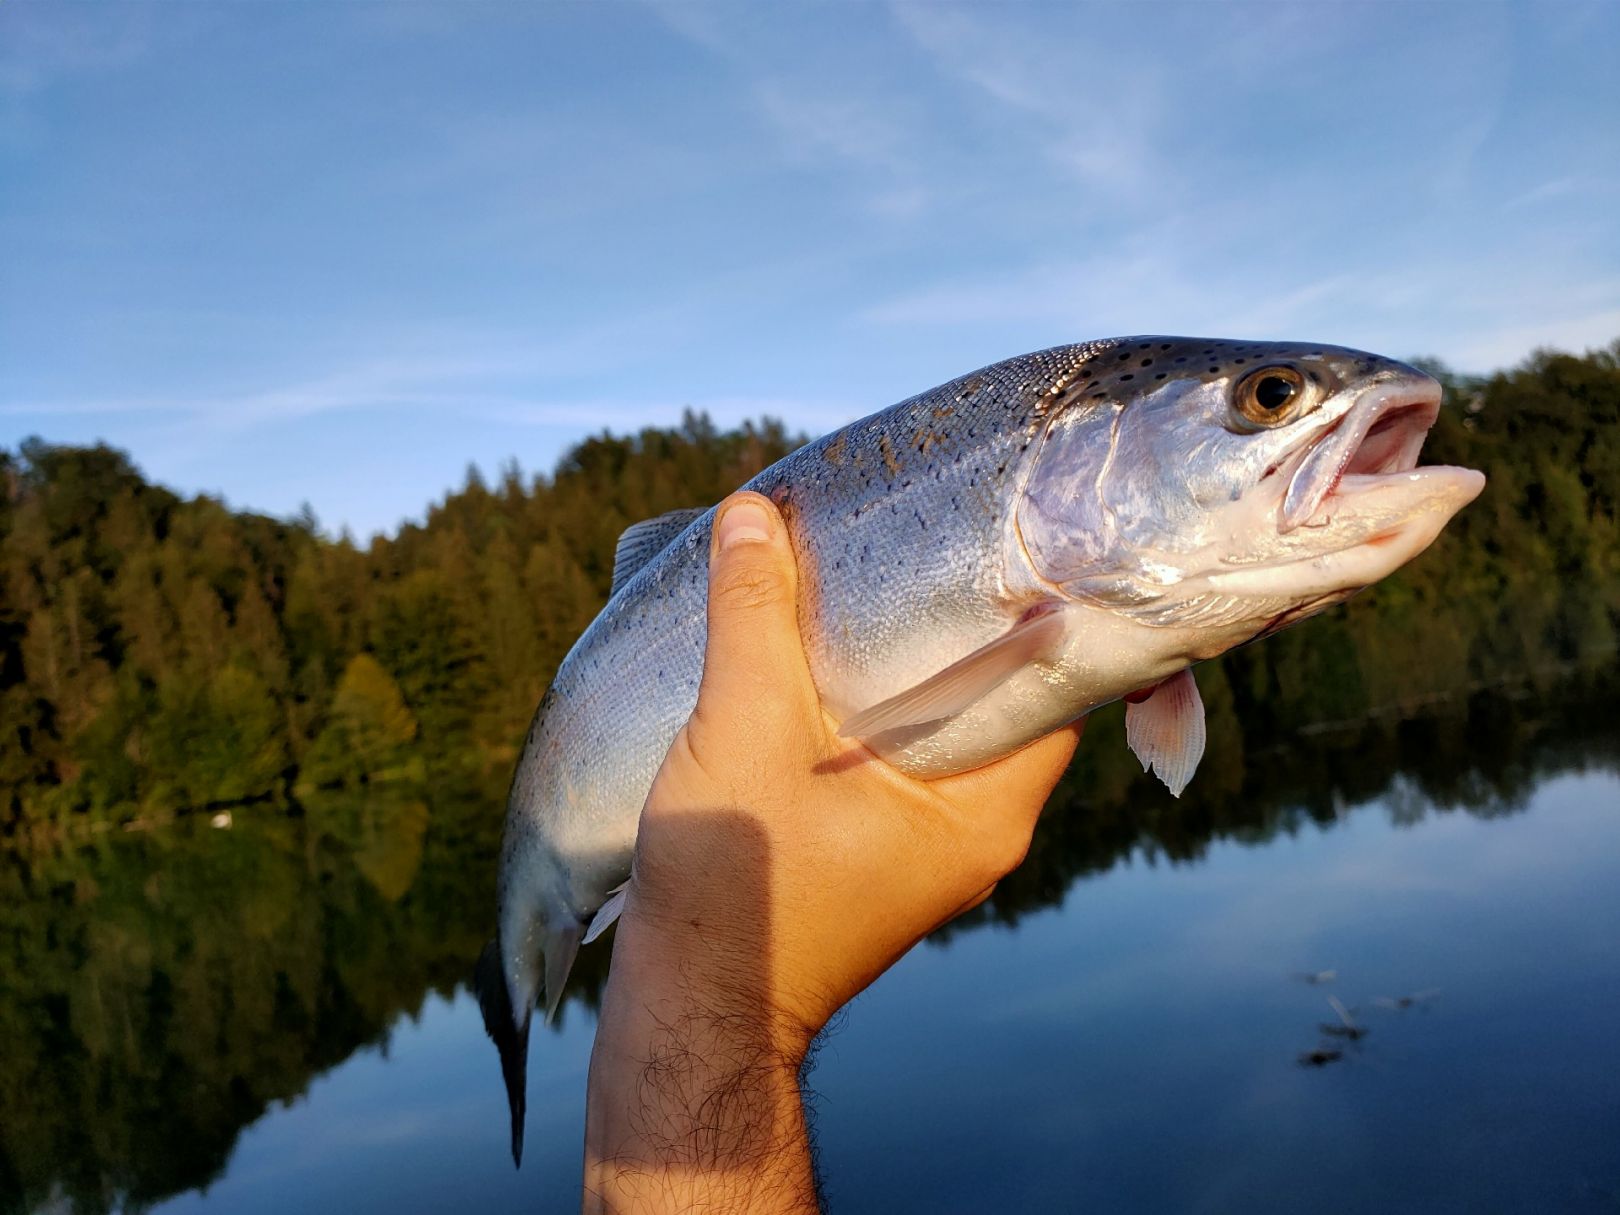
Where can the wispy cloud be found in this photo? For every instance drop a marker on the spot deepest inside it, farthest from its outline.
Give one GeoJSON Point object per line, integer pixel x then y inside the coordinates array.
{"type": "Point", "coordinates": [821, 114]}
{"type": "Point", "coordinates": [502, 230]}
{"type": "Point", "coordinates": [43, 43]}
{"type": "Point", "coordinates": [1507, 344]}
{"type": "Point", "coordinates": [1547, 191]}
{"type": "Point", "coordinates": [1151, 285]}
{"type": "Point", "coordinates": [1097, 114]}
{"type": "Point", "coordinates": [1473, 314]}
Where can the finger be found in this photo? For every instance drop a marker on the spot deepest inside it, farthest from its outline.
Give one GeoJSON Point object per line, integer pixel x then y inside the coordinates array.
{"type": "Point", "coordinates": [754, 652]}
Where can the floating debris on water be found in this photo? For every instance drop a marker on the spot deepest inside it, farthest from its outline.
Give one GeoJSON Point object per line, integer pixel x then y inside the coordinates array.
{"type": "Point", "coordinates": [1402, 1003]}
{"type": "Point", "coordinates": [1347, 1027]}
{"type": "Point", "coordinates": [1315, 977]}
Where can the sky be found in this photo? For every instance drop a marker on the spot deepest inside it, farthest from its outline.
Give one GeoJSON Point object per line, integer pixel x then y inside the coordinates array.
{"type": "Point", "coordinates": [333, 253]}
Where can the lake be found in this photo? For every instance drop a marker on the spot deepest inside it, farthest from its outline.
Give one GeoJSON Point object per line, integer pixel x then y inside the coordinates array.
{"type": "Point", "coordinates": [274, 1015]}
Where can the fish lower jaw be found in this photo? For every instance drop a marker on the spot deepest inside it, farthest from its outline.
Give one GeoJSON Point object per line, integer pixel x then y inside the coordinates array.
{"type": "Point", "coordinates": [1367, 532]}
{"type": "Point", "coordinates": [1396, 496]}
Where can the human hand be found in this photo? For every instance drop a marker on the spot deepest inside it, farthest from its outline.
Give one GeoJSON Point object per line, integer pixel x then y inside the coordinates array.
{"type": "Point", "coordinates": [788, 865]}
{"type": "Point", "coordinates": [779, 869]}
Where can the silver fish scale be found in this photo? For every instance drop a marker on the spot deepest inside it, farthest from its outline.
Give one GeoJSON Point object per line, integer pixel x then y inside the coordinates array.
{"type": "Point", "coordinates": [899, 523]}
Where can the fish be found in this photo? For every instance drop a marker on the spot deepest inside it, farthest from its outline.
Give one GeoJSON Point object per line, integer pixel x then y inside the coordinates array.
{"type": "Point", "coordinates": [980, 565]}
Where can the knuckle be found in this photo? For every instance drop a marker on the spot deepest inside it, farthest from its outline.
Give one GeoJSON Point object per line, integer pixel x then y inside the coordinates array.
{"type": "Point", "coordinates": [750, 586]}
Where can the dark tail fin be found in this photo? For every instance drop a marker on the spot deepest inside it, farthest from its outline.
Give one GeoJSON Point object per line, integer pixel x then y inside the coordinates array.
{"type": "Point", "coordinates": [510, 1035]}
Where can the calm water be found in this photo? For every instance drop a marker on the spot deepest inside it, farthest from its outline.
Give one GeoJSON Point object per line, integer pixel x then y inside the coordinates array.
{"type": "Point", "coordinates": [272, 1018]}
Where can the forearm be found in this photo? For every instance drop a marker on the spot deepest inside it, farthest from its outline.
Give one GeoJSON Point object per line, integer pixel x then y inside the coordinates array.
{"type": "Point", "coordinates": [694, 1104]}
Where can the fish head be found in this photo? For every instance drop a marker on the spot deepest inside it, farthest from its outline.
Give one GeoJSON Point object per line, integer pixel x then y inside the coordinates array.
{"type": "Point", "coordinates": [1218, 491]}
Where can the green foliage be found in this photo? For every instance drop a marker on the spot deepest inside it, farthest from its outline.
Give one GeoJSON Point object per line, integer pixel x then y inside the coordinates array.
{"type": "Point", "coordinates": [159, 654]}
{"type": "Point", "coordinates": [367, 731]}
{"type": "Point", "coordinates": [164, 988]}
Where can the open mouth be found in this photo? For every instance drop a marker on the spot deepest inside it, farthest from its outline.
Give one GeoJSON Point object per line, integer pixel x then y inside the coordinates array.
{"type": "Point", "coordinates": [1380, 437]}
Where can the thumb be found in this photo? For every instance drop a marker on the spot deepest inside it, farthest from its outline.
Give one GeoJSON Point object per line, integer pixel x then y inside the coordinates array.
{"type": "Point", "coordinates": [754, 653]}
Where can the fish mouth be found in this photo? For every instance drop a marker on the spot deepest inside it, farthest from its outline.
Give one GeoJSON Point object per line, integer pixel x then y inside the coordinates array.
{"type": "Point", "coordinates": [1375, 445]}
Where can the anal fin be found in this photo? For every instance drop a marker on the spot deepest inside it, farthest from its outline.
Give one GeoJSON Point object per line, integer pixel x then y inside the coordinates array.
{"type": "Point", "coordinates": [561, 946]}
{"type": "Point", "coordinates": [1036, 635]}
{"type": "Point", "coordinates": [1166, 731]}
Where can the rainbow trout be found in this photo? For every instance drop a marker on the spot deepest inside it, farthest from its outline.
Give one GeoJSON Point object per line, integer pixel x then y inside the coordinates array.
{"type": "Point", "coordinates": [980, 565]}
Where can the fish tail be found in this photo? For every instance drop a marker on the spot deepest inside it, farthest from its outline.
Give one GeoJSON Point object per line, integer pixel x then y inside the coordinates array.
{"type": "Point", "coordinates": [508, 1028]}
{"type": "Point", "coordinates": [508, 1009]}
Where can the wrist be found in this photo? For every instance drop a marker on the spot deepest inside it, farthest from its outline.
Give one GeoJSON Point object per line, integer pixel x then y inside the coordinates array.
{"type": "Point", "coordinates": [664, 975]}
{"type": "Point", "coordinates": [693, 1095]}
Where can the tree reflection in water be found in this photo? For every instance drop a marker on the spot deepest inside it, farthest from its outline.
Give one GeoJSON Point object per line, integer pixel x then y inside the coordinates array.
{"type": "Point", "coordinates": [164, 988]}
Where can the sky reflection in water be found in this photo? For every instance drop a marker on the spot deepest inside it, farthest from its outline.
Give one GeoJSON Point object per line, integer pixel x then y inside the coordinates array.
{"type": "Point", "coordinates": [1136, 1049]}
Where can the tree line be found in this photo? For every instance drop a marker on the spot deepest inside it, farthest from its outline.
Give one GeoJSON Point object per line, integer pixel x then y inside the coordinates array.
{"type": "Point", "coordinates": [160, 653]}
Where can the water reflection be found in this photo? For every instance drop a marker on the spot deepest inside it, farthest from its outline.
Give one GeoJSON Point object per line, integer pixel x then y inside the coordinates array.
{"type": "Point", "coordinates": [163, 989]}
{"type": "Point", "coordinates": [166, 989]}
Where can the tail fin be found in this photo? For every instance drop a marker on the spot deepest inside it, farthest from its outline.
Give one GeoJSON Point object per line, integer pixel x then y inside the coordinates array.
{"type": "Point", "coordinates": [507, 1021]}
{"type": "Point", "coordinates": [510, 1033]}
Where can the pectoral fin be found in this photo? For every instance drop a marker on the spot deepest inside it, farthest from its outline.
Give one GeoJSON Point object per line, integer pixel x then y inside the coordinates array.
{"type": "Point", "coordinates": [606, 913]}
{"type": "Point", "coordinates": [1166, 731]}
{"type": "Point", "coordinates": [943, 695]}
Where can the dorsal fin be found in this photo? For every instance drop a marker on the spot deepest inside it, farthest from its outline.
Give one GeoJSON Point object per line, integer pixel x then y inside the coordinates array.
{"type": "Point", "coordinates": [643, 541]}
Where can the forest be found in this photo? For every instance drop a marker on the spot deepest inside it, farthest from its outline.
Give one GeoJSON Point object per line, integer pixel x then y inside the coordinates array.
{"type": "Point", "coordinates": [160, 654]}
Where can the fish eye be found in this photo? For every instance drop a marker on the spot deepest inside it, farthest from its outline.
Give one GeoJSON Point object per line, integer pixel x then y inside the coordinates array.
{"type": "Point", "coordinates": [1269, 396]}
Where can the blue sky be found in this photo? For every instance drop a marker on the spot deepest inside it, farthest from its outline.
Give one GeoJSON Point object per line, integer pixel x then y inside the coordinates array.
{"type": "Point", "coordinates": [334, 252]}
